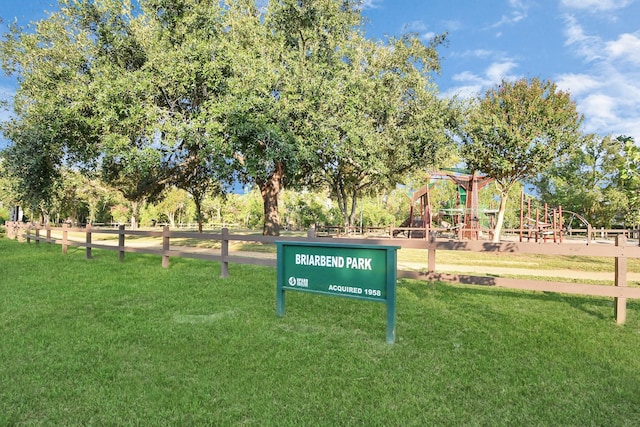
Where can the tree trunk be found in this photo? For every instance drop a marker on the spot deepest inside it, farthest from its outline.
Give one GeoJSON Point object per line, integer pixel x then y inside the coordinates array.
{"type": "Point", "coordinates": [347, 207]}
{"type": "Point", "coordinates": [354, 205]}
{"type": "Point", "coordinates": [198, 204]}
{"type": "Point", "coordinates": [270, 190]}
{"type": "Point", "coordinates": [341, 197]}
{"type": "Point", "coordinates": [134, 215]}
{"type": "Point", "coordinates": [500, 220]}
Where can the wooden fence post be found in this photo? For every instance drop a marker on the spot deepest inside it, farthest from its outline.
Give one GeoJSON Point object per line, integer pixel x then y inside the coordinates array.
{"type": "Point", "coordinates": [65, 241]}
{"type": "Point", "coordinates": [165, 246]}
{"type": "Point", "coordinates": [48, 228]}
{"type": "Point", "coordinates": [224, 253]}
{"type": "Point", "coordinates": [88, 241]}
{"type": "Point", "coordinates": [28, 232]}
{"type": "Point", "coordinates": [431, 254]}
{"type": "Point", "coordinates": [37, 234]}
{"type": "Point", "coordinates": [121, 243]}
{"type": "Point", "coordinates": [620, 303]}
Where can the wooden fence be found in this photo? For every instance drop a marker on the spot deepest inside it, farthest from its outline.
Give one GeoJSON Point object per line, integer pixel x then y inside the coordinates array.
{"type": "Point", "coordinates": [619, 254]}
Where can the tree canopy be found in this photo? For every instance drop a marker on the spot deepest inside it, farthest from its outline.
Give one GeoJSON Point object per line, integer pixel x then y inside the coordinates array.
{"type": "Point", "coordinates": [517, 130]}
{"type": "Point", "coordinates": [587, 181]}
{"type": "Point", "coordinates": [282, 93]}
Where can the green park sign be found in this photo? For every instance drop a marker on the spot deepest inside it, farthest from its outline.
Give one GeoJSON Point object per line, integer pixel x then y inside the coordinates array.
{"type": "Point", "coordinates": [367, 272]}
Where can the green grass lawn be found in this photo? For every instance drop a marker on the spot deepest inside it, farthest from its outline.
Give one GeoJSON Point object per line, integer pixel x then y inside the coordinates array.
{"type": "Point", "coordinates": [97, 342]}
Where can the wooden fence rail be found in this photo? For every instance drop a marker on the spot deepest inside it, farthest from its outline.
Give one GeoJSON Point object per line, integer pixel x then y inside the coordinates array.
{"type": "Point", "coordinates": [619, 254]}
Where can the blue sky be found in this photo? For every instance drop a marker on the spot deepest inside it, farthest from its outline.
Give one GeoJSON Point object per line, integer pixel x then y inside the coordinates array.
{"type": "Point", "coordinates": [589, 47]}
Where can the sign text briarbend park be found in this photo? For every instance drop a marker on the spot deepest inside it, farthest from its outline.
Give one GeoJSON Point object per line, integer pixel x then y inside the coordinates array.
{"type": "Point", "coordinates": [367, 272]}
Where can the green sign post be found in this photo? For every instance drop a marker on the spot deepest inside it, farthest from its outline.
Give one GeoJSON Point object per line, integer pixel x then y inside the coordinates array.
{"type": "Point", "coordinates": [367, 272]}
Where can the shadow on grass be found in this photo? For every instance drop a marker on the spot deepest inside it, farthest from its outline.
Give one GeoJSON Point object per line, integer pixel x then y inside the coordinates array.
{"type": "Point", "coordinates": [590, 305]}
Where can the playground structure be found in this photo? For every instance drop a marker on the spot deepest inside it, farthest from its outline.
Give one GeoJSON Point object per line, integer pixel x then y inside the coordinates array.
{"type": "Point", "coordinates": [464, 220]}
{"type": "Point", "coordinates": [546, 224]}
{"type": "Point", "coordinates": [549, 223]}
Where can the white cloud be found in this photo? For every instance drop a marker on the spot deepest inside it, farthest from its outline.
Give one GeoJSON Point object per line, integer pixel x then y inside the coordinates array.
{"type": "Point", "coordinates": [370, 4]}
{"type": "Point", "coordinates": [484, 54]}
{"type": "Point", "coordinates": [607, 92]}
{"type": "Point", "coordinates": [468, 77]}
{"type": "Point", "coordinates": [415, 26]}
{"type": "Point", "coordinates": [420, 28]}
{"type": "Point", "coordinates": [513, 18]}
{"type": "Point", "coordinates": [614, 107]}
{"type": "Point", "coordinates": [453, 25]}
{"type": "Point", "coordinates": [472, 84]}
{"type": "Point", "coordinates": [519, 11]}
{"type": "Point", "coordinates": [428, 36]}
{"type": "Point", "coordinates": [626, 48]}
{"type": "Point", "coordinates": [577, 84]}
{"type": "Point", "coordinates": [464, 92]}
{"type": "Point", "coordinates": [595, 5]}
{"type": "Point", "coordinates": [500, 70]}
{"type": "Point", "coordinates": [589, 47]}
{"type": "Point", "coordinates": [599, 108]}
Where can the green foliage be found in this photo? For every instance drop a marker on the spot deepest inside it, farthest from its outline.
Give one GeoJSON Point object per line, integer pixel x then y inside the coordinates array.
{"type": "Point", "coordinates": [174, 203]}
{"type": "Point", "coordinates": [384, 119]}
{"type": "Point", "coordinates": [4, 214]}
{"type": "Point", "coordinates": [151, 215]}
{"type": "Point", "coordinates": [629, 179]}
{"type": "Point", "coordinates": [589, 181]}
{"type": "Point", "coordinates": [138, 173]}
{"type": "Point", "coordinates": [517, 130]}
{"type": "Point", "coordinates": [305, 209]}
{"type": "Point", "coordinates": [120, 213]}
{"type": "Point", "coordinates": [31, 165]}
{"type": "Point", "coordinates": [201, 94]}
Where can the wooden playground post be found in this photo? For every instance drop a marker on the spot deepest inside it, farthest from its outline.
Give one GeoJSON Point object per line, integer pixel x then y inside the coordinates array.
{"type": "Point", "coordinates": [528, 217]}
{"type": "Point", "coordinates": [521, 214]}
{"type": "Point", "coordinates": [560, 225]}
{"type": "Point", "coordinates": [545, 219]}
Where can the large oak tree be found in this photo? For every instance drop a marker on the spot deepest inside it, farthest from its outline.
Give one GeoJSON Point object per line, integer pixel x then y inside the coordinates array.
{"type": "Point", "coordinates": [281, 91]}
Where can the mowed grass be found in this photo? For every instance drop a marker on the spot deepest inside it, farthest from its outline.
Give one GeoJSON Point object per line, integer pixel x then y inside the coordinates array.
{"type": "Point", "coordinates": [98, 342]}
